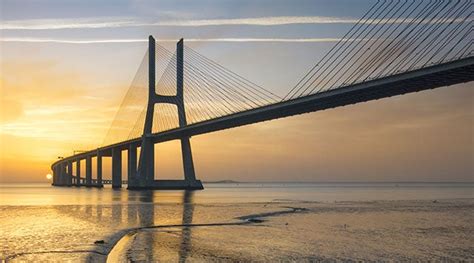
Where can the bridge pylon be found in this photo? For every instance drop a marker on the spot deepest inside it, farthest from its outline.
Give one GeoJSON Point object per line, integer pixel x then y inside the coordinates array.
{"type": "Point", "coordinates": [144, 178]}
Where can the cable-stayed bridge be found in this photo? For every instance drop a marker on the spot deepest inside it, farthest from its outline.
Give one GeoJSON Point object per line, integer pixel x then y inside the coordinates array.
{"type": "Point", "coordinates": [396, 47]}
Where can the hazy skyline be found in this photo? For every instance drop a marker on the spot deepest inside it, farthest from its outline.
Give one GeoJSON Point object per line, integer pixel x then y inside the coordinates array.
{"type": "Point", "coordinates": [66, 66]}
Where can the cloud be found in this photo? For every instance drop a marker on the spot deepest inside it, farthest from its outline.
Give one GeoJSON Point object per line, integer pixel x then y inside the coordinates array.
{"type": "Point", "coordinates": [108, 22]}
{"type": "Point", "coordinates": [140, 40]}
{"type": "Point", "coordinates": [69, 41]}
{"type": "Point", "coordinates": [119, 22]}
{"type": "Point", "coordinates": [260, 21]}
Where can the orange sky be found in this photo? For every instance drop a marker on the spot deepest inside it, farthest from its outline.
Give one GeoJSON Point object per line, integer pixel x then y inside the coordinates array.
{"type": "Point", "coordinates": [46, 112]}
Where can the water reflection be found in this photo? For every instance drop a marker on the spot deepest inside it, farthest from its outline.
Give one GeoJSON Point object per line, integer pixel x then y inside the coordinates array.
{"type": "Point", "coordinates": [146, 216]}
{"type": "Point", "coordinates": [137, 209]}
{"type": "Point", "coordinates": [156, 251]}
{"type": "Point", "coordinates": [188, 210]}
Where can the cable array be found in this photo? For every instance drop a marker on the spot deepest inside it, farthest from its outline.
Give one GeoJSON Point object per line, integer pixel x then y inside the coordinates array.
{"type": "Point", "coordinates": [392, 37]}
{"type": "Point", "coordinates": [131, 107]}
{"type": "Point", "coordinates": [210, 90]}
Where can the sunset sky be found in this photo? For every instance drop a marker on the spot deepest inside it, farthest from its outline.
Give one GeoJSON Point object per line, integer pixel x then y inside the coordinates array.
{"type": "Point", "coordinates": [66, 65]}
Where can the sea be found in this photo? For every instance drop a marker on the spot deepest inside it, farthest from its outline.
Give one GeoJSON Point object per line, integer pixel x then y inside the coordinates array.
{"type": "Point", "coordinates": [39, 222]}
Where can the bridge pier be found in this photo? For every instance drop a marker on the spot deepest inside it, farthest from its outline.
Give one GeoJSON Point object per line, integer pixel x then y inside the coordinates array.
{"type": "Point", "coordinates": [132, 162]}
{"type": "Point", "coordinates": [99, 169]}
{"type": "Point", "coordinates": [63, 174]}
{"type": "Point", "coordinates": [188, 164]}
{"type": "Point", "coordinates": [58, 175]}
{"type": "Point", "coordinates": [145, 176]}
{"type": "Point", "coordinates": [55, 175]}
{"type": "Point", "coordinates": [89, 171]}
{"type": "Point", "coordinates": [78, 172]}
{"type": "Point", "coordinates": [116, 168]}
{"type": "Point", "coordinates": [66, 175]}
{"type": "Point", "coordinates": [69, 173]}
{"type": "Point", "coordinates": [148, 163]}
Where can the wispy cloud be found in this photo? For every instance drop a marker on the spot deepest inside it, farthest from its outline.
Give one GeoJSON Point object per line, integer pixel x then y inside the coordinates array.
{"type": "Point", "coordinates": [91, 23]}
{"type": "Point", "coordinates": [69, 41]}
{"type": "Point", "coordinates": [78, 23]}
{"type": "Point", "coordinates": [118, 22]}
{"type": "Point", "coordinates": [261, 21]}
{"type": "Point", "coordinates": [99, 41]}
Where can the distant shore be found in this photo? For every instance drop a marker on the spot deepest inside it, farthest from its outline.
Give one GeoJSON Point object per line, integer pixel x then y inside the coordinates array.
{"type": "Point", "coordinates": [333, 182]}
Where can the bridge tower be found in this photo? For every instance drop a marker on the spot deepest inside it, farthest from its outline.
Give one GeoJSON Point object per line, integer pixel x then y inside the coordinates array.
{"type": "Point", "coordinates": [144, 176]}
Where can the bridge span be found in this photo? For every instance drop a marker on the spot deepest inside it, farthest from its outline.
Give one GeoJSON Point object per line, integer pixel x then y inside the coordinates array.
{"type": "Point", "coordinates": [380, 75]}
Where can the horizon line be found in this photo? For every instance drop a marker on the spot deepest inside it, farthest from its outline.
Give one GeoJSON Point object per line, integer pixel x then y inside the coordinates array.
{"type": "Point", "coordinates": [278, 181]}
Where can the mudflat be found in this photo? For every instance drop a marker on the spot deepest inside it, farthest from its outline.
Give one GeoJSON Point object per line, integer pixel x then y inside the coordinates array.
{"type": "Point", "coordinates": [240, 222]}
{"type": "Point", "coordinates": [285, 230]}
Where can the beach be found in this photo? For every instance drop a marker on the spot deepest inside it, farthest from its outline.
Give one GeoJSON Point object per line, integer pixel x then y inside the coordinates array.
{"type": "Point", "coordinates": [387, 230]}
{"type": "Point", "coordinates": [218, 225]}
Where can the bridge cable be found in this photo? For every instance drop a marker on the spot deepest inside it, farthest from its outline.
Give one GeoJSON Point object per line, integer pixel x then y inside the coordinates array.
{"type": "Point", "coordinates": [335, 48]}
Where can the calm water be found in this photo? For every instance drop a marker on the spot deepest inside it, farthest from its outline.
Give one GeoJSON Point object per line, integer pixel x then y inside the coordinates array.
{"type": "Point", "coordinates": [44, 194]}
{"type": "Point", "coordinates": [40, 222]}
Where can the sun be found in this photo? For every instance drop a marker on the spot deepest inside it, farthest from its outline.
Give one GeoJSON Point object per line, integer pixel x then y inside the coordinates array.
{"type": "Point", "coordinates": [49, 176]}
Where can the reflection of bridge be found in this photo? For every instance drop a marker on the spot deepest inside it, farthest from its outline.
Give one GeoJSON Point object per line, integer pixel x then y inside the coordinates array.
{"type": "Point", "coordinates": [140, 210]}
{"type": "Point", "coordinates": [93, 181]}
{"type": "Point", "coordinates": [395, 48]}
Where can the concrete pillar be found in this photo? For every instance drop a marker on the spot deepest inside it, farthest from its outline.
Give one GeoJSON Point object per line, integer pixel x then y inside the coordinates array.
{"type": "Point", "coordinates": [69, 173]}
{"type": "Point", "coordinates": [132, 162]}
{"type": "Point", "coordinates": [66, 175]}
{"type": "Point", "coordinates": [62, 174]}
{"type": "Point", "coordinates": [89, 170]}
{"type": "Point", "coordinates": [116, 168]}
{"type": "Point", "coordinates": [188, 164]}
{"type": "Point", "coordinates": [58, 174]}
{"type": "Point", "coordinates": [149, 162]}
{"type": "Point", "coordinates": [99, 169]}
{"type": "Point", "coordinates": [78, 172]}
{"type": "Point", "coordinates": [180, 82]}
{"type": "Point", "coordinates": [146, 171]}
{"type": "Point", "coordinates": [55, 175]}
{"type": "Point", "coordinates": [147, 154]}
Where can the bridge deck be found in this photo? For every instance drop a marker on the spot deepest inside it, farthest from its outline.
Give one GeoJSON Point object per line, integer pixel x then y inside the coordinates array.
{"type": "Point", "coordinates": [435, 76]}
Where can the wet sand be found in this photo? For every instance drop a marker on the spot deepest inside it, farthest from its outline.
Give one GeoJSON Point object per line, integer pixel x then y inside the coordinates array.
{"type": "Point", "coordinates": [273, 222]}
{"type": "Point", "coordinates": [307, 231]}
